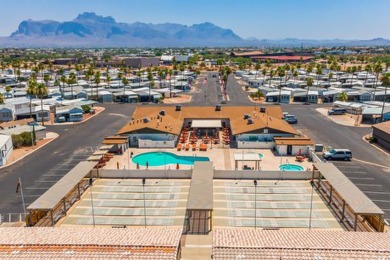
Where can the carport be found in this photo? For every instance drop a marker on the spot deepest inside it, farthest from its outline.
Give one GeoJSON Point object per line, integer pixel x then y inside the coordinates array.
{"type": "Point", "coordinates": [347, 199]}
{"type": "Point", "coordinates": [55, 202]}
{"type": "Point", "coordinates": [200, 199]}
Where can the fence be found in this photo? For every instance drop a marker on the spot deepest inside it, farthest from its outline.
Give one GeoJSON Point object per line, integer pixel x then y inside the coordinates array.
{"type": "Point", "coordinates": [12, 217]}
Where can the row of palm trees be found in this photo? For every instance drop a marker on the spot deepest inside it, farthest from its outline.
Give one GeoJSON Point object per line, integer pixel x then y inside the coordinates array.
{"type": "Point", "coordinates": [38, 90]}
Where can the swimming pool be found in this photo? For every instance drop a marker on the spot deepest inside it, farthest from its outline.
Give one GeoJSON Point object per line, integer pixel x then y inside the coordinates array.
{"type": "Point", "coordinates": [164, 158]}
{"type": "Point", "coordinates": [291, 167]}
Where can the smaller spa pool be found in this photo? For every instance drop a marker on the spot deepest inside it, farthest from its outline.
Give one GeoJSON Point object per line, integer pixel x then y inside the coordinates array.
{"type": "Point", "coordinates": [291, 167]}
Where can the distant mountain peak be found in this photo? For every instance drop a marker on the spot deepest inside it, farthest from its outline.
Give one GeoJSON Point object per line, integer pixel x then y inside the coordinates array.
{"type": "Point", "coordinates": [92, 17]}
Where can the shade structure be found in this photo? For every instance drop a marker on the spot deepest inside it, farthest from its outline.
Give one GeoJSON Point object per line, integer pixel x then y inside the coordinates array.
{"type": "Point", "coordinates": [206, 123]}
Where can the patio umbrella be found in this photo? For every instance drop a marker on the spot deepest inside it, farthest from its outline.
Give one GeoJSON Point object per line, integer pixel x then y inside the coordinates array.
{"type": "Point", "coordinates": [147, 165]}
{"type": "Point", "coordinates": [177, 166]}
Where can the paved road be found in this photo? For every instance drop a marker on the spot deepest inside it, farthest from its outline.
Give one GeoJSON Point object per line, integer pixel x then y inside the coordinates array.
{"type": "Point", "coordinates": [208, 91]}
{"type": "Point", "coordinates": [40, 170]}
{"type": "Point", "coordinates": [370, 168]}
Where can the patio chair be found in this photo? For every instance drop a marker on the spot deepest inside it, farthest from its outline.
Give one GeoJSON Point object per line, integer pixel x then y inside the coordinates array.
{"type": "Point", "coordinates": [179, 147]}
{"type": "Point", "coordinates": [194, 147]}
{"type": "Point", "coordinates": [187, 147]}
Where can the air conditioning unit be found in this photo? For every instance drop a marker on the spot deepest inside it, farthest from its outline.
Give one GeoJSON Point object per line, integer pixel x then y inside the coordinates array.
{"type": "Point", "coordinates": [162, 113]}
{"type": "Point", "coordinates": [250, 121]}
{"type": "Point", "coordinates": [218, 107]}
{"type": "Point", "coordinates": [262, 109]}
{"type": "Point", "coordinates": [178, 108]}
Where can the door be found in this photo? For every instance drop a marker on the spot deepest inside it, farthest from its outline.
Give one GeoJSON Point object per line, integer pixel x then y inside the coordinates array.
{"type": "Point", "coordinates": [289, 149]}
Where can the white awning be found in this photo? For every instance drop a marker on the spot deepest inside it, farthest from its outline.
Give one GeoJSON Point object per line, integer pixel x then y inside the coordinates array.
{"type": "Point", "coordinates": [247, 157]}
{"type": "Point", "coordinates": [206, 123]}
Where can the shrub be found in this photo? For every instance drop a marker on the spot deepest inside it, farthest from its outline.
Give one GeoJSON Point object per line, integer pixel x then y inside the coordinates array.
{"type": "Point", "coordinates": [22, 139]}
{"type": "Point", "coordinates": [86, 109]}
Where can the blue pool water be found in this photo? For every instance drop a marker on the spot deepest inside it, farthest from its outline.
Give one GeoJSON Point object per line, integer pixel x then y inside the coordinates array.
{"type": "Point", "coordinates": [164, 158]}
{"type": "Point", "coordinates": [291, 167]}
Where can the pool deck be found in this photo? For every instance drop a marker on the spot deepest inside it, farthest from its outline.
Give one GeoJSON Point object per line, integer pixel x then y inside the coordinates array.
{"type": "Point", "coordinates": [222, 158]}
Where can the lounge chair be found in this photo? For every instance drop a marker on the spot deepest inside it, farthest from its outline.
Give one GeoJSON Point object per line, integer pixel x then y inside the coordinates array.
{"type": "Point", "coordinates": [187, 147]}
{"type": "Point", "coordinates": [179, 147]}
{"type": "Point", "coordinates": [194, 147]}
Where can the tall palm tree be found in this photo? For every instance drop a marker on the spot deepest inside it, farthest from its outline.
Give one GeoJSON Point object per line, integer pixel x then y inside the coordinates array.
{"type": "Point", "coordinates": [377, 70]}
{"type": "Point", "coordinates": [150, 78]}
{"type": "Point", "coordinates": [97, 82]}
{"type": "Point", "coordinates": [368, 69]}
{"type": "Point", "coordinates": [309, 83]}
{"type": "Point", "coordinates": [72, 80]}
{"type": "Point", "coordinates": [41, 91]}
{"type": "Point", "coordinates": [386, 83]}
{"type": "Point", "coordinates": [271, 75]}
{"type": "Point", "coordinates": [295, 75]}
{"type": "Point", "coordinates": [281, 74]}
{"type": "Point", "coordinates": [31, 91]}
{"type": "Point", "coordinates": [125, 82]}
{"type": "Point", "coordinates": [120, 76]}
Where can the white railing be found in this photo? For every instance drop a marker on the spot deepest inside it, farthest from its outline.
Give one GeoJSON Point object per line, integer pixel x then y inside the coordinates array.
{"type": "Point", "coordinates": [12, 217]}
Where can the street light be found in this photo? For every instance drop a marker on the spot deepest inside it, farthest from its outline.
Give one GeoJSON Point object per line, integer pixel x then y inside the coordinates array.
{"type": "Point", "coordinates": [143, 191]}
{"type": "Point", "coordinates": [93, 211]}
{"type": "Point", "coordinates": [255, 183]}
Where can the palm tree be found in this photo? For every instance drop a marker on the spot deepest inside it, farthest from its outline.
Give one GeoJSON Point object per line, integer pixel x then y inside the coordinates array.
{"type": "Point", "coordinates": [97, 82]}
{"type": "Point", "coordinates": [46, 78]}
{"type": "Point", "coordinates": [386, 83]}
{"type": "Point", "coordinates": [41, 91]}
{"type": "Point", "coordinates": [150, 78]}
{"type": "Point", "coordinates": [295, 75]}
{"type": "Point", "coordinates": [377, 70]}
{"type": "Point", "coordinates": [125, 81]}
{"type": "Point", "coordinates": [309, 83]}
{"type": "Point", "coordinates": [281, 74]}
{"type": "Point", "coordinates": [120, 76]}
{"type": "Point", "coordinates": [31, 91]}
{"type": "Point", "coordinates": [343, 96]}
{"type": "Point", "coordinates": [72, 80]}
{"type": "Point", "coordinates": [1, 99]}
{"type": "Point", "coordinates": [63, 80]}
{"type": "Point", "coordinates": [271, 75]}
{"type": "Point", "coordinates": [368, 69]}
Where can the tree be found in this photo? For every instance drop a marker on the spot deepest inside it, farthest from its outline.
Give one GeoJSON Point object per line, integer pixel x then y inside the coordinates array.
{"type": "Point", "coordinates": [309, 83]}
{"type": "Point", "coordinates": [41, 91]}
{"type": "Point", "coordinates": [295, 75]}
{"type": "Point", "coordinates": [386, 83]}
{"type": "Point", "coordinates": [377, 70]}
{"type": "Point", "coordinates": [343, 96]}
{"type": "Point", "coordinates": [8, 89]}
{"type": "Point", "coordinates": [1, 99]}
{"type": "Point", "coordinates": [125, 82]}
{"type": "Point", "coordinates": [72, 80]}
{"type": "Point", "coordinates": [97, 82]}
{"type": "Point", "coordinates": [281, 74]}
{"type": "Point", "coordinates": [46, 78]}
{"type": "Point", "coordinates": [31, 91]}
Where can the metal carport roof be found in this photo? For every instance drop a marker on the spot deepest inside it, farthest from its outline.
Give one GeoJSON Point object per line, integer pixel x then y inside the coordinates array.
{"type": "Point", "coordinates": [352, 195]}
{"type": "Point", "coordinates": [58, 191]}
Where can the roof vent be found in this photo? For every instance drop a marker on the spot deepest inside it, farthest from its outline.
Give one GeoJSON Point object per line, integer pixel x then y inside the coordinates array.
{"type": "Point", "coordinates": [178, 108]}
{"type": "Point", "coordinates": [250, 121]}
{"type": "Point", "coordinates": [262, 109]}
{"type": "Point", "coordinates": [246, 116]}
{"type": "Point", "coordinates": [162, 113]}
{"type": "Point", "coordinates": [218, 107]}
{"type": "Point", "coordinates": [146, 120]}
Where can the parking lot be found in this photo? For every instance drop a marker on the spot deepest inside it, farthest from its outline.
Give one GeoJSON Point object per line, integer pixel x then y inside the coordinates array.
{"type": "Point", "coordinates": [369, 169]}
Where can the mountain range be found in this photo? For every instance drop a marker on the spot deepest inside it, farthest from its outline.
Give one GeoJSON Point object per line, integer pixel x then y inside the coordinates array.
{"type": "Point", "coordinates": [91, 30]}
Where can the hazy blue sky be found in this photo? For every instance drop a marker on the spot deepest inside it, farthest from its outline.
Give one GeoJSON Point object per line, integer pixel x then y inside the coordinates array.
{"type": "Point", "coordinates": [272, 19]}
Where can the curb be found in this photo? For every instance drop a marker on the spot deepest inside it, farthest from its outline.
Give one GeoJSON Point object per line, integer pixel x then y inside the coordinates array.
{"type": "Point", "coordinates": [27, 154]}
{"type": "Point", "coordinates": [77, 123]}
{"type": "Point", "coordinates": [375, 146]}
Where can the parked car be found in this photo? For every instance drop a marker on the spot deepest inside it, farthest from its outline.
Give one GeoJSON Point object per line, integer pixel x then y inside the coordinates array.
{"type": "Point", "coordinates": [337, 111]}
{"type": "Point", "coordinates": [291, 119]}
{"type": "Point", "coordinates": [341, 154]}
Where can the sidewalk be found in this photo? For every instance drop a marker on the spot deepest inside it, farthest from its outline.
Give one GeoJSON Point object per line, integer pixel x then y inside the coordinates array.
{"type": "Point", "coordinates": [20, 153]}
